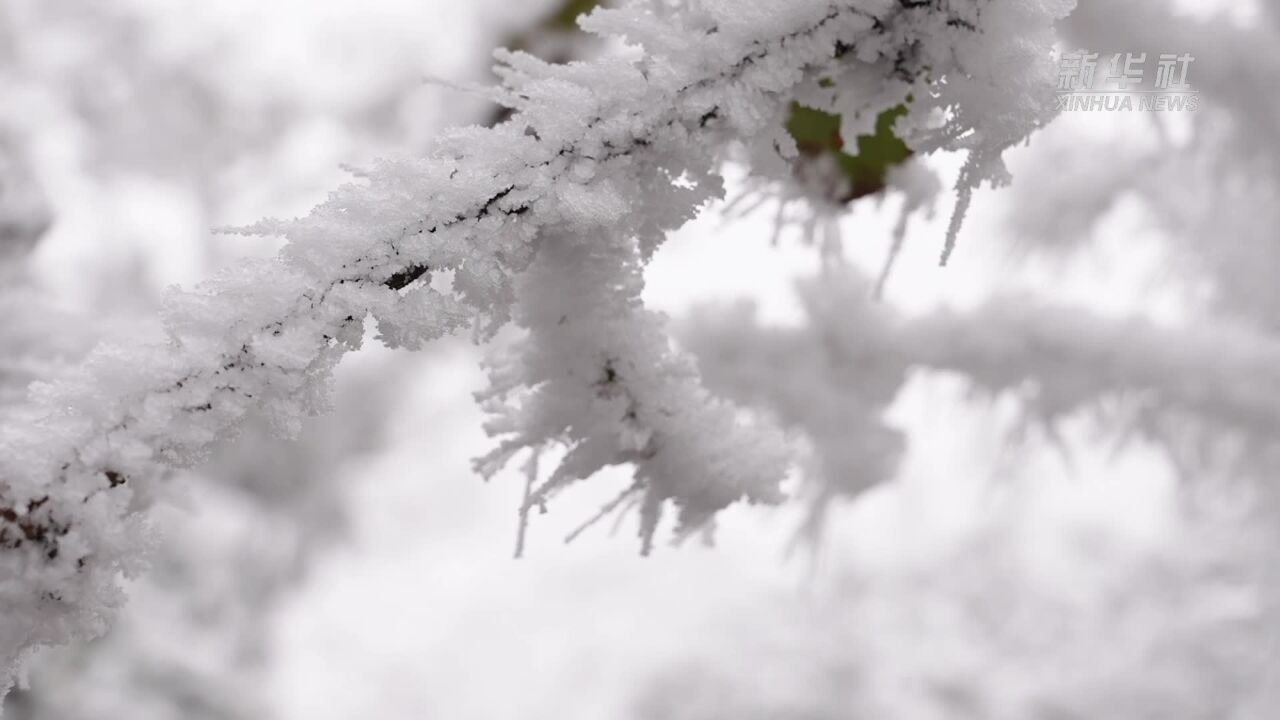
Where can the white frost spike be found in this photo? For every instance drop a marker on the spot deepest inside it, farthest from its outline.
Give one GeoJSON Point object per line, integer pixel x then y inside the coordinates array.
{"type": "Point", "coordinates": [920, 189]}
{"type": "Point", "coordinates": [597, 375]}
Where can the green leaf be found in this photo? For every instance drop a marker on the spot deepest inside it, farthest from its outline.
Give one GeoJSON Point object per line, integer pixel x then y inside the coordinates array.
{"type": "Point", "coordinates": [818, 133]}
{"type": "Point", "coordinates": [566, 18]}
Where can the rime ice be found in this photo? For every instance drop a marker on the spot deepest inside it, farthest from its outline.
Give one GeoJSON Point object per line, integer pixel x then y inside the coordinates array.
{"type": "Point", "coordinates": [545, 222]}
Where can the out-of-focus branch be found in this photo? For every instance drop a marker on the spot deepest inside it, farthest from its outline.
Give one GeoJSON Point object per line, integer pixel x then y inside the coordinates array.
{"type": "Point", "coordinates": [836, 376]}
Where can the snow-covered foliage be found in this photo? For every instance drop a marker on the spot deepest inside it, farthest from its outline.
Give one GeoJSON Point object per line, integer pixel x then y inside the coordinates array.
{"type": "Point", "coordinates": [1207, 180]}
{"type": "Point", "coordinates": [835, 378]}
{"type": "Point", "coordinates": [1097, 627]}
{"type": "Point", "coordinates": [266, 509]}
{"type": "Point", "coordinates": [245, 530]}
{"type": "Point", "coordinates": [546, 220]}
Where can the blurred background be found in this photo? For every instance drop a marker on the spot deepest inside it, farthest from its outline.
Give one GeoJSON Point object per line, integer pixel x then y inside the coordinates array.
{"type": "Point", "coordinates": [1033, 484]}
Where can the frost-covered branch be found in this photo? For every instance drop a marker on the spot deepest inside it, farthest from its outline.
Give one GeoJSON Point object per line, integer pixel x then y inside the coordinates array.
{"type": "Point", "coordinates": [834, 378]}
{"type": "Point", "coordinates": [545, 219]}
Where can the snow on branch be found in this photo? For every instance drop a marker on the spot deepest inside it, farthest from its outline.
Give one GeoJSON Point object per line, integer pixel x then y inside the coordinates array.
{"type": "Point", "coordinates": [546, 220]}
{"type": "Point", "coordinates": [835, 378]}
